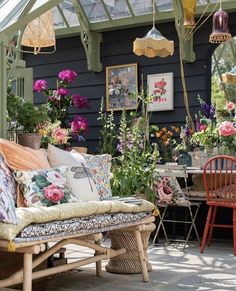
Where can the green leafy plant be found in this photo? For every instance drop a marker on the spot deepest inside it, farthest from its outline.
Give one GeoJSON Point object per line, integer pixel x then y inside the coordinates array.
{"type": "Point", "coordinates": [133, 169]}
{"type": "Point", "coordinates": [25, 116]}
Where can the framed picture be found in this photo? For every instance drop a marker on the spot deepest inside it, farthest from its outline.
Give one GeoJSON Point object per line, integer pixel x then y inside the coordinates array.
{"type": "Point", "coordinates": [121, 82]}
{"type": "Point", "coordinates": [160, 87]}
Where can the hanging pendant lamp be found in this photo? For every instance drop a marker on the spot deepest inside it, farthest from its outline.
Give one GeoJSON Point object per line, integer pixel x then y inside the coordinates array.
{"type": "Point", "coordinates": [39, 33]}
{"type": "Point", "coordinates": [220, 29]}
{"type": "Point", "coordinates": [153, 44]}
{"type": "Point", "coordinates": [189, 7]}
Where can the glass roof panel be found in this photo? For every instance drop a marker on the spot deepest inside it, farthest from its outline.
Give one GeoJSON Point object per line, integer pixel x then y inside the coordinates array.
{"type": "Point", "coordinates": [94, 10]}
{"type": "Point", "coordinates": [38, 3]}
{"type": "Point", "coordinates": [164, 5]}
{"type": "Point", "coordinates": [141, 7]}
{"type": "Point", "coordinates": [69, 12]}
{"type": "Point", "coordinates": [117, 9]}
{"type": "Point", "coordinates": [57, 18]}
{"type": "Point", "coordinates": [10, 11]}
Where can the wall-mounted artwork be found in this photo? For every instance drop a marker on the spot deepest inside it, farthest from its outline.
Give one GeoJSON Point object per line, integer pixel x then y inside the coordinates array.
{"type": "Point", "coordinates": [121, 84]}
{"type": "Point", "coordinates": [161, 89]}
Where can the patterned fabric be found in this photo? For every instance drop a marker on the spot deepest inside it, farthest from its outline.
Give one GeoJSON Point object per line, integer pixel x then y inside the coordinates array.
{"type": "Point", "coordinates": [44, 187]}
{"type": "Point", "coordinates": [168, 191]}
{"type": "Point", "coordinates": [74, 225]}
{"type": "Point", "coordinates": [100, 166]}
{"type": "Point", "coordinates": [7, 194]}
{"type": "Point", "coordinates": [79, 176]}
{"type": "Point", "coordinates": [29, 215]}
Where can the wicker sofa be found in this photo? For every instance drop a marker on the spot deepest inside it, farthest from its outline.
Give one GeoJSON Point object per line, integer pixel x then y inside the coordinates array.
{"type": "Point", "coordinates": [42, 231]}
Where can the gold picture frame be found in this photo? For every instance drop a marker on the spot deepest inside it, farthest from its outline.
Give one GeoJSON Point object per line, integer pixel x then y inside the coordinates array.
{"type": "Point", "coordinates": [121, 86]}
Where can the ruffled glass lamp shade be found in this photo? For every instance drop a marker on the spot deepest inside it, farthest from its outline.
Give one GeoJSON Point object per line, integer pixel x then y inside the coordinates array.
{"type": "Point", "coordinates": [189, 7]}
{"type": "Point", "coordinates": [153, 44]}
{"type": "Point", "coordinates": [39, 33]}
{"type": "Point", "coordinates": [220, 29]}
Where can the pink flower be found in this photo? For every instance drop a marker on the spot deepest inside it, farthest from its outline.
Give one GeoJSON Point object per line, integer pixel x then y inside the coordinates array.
{"type": "Point", "coordinates": [53, 193]}
{"type": "Point", "coordinates": [67, 75]}
{"type": "Point", "coordinates": [230, 106]}
{"type": "Point", "coordinates": [79, 101]}
{"type": "Point", "coordinates": [62, 91]}
{"type": "Point", "coordinates": [54, 96]}
{"type": "Point", "coordinates": [60, 135]}
{"type": "Point", "coordinates": [203, 127]}
{"type": "Point", "coordinates": [40, 85]}
{"type": "Point", "coordinates": [79, 125]}
{"type": "Point", "coordinates": [226, 128]}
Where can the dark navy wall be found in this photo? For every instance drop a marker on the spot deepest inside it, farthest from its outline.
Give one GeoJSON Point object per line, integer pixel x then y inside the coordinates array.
{"type": "Point", "coordinates": [116, 49]}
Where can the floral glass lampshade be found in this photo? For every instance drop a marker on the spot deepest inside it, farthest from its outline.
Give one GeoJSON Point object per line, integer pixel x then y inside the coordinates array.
{"type": "Point", "coordinates": [39, 33]}
{"type": "Point", "coordinates": [220, 29]}
{"type": "Point", "coordinates": [189, 7]}
{"type": "Point", "coordinates": [153, 44]}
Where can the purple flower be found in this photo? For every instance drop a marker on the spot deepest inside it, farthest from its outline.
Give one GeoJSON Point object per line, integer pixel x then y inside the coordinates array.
{"type": "Point", "coordinates": [40, 85]}
{"type": "Point", "coordinates": [187, 132]}
{"type": "Point", "coordinates": [67, 75]}
{"type": "Point", "coordinates": [79, 125]}
{"type": "Point", "coordinates": [79, 101]}
{"type": "Point", "coordinates": [208, 110]}
{"type": "Point", "coordinates": [62, 91]}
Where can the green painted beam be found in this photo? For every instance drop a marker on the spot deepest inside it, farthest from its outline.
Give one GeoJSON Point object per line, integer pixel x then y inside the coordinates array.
{"type": "Point", "coordinates": [90, 40]}
{"type": "Point", "coordinates": [145, 19]}
{"type": "Point", "coordinates": [3, 90]}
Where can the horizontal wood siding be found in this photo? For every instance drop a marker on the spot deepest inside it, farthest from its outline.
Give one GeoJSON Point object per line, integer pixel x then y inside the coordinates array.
{"type": "Point", "coordinates": [116, 49]}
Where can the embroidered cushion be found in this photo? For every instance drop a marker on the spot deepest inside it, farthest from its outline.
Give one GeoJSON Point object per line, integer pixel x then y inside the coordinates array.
{"type": "Point", "coordinates": [79, 176]}
{"type": "Point", "coordinates": [7, 194]}
{"type": "Point", "coordinates": [100, 166]}
{"type": "Point", "coordinates": [18, 157]}
{"type": "Point", "coordinates": [45, 187]}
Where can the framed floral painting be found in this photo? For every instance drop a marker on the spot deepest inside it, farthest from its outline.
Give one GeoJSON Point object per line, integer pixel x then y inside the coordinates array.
{"type": "Point", "coordinates": [121, 84]}
{"type": "Point", "coordinates": [161, 89]}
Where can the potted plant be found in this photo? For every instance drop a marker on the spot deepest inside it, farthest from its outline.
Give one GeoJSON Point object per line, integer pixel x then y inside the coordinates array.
{"type": "Point", "coordinates": [25, 118]}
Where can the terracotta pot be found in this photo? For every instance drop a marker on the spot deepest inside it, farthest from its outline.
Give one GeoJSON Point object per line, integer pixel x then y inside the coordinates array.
{"type": "Point", "coordinates": [82, 150]}
{"type": "Point", "coordinates": [31, 140]}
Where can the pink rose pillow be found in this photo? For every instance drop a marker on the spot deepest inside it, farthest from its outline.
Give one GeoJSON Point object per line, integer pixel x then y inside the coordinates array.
{"type": "Point", "coordinates": [45, 187]}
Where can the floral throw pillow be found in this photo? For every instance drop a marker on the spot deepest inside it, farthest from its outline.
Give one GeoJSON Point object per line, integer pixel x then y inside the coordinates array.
{"type": "Point", "coordinates": [168, 191]}
{"type": "Point", "coordinates": [7, 194]}
{"type": "Point", "coordinates": [45, 187]}
{"type": "Point", "coordinates": [100, 166]}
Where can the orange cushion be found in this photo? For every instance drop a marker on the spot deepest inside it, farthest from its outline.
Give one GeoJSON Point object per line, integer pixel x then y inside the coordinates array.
{"type": "Point", "coordinates": [18, 157]}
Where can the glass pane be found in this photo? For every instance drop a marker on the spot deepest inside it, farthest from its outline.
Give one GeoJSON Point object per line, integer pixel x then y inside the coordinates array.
{"type": "Point", "coordinates": [94, 10]}
{"type": "Point", "coordinates": [57, 18]}
{"type": "Point", "coordinates": [117, 9]}
{"type": "Point", "coordinates": [10, 11]}
{"type": "Point", "coordinates": [69, 12]}
{"type": "Point", "coordinates": [164, 5]}
{"type": "Point", "coordinates": [141, 7]}
{"type": "Point", "coordinates": [223, 61]}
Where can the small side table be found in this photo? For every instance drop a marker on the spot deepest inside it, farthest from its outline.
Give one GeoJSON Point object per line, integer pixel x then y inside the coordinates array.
{"type": "Point", "coordinates": [135, 240]}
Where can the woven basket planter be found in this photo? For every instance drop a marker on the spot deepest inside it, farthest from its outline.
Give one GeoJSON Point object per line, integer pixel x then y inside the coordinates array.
{"type": "Point", "coordinates": [128, 263]}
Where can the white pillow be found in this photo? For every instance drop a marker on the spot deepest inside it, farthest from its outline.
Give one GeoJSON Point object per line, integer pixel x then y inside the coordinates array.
{"type": "Point", "coordinates": [79, 176]}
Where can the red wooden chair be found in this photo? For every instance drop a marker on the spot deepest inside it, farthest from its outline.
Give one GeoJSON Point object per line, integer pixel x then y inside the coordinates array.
{"type": "Point", "coordinates": [219, 177]}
